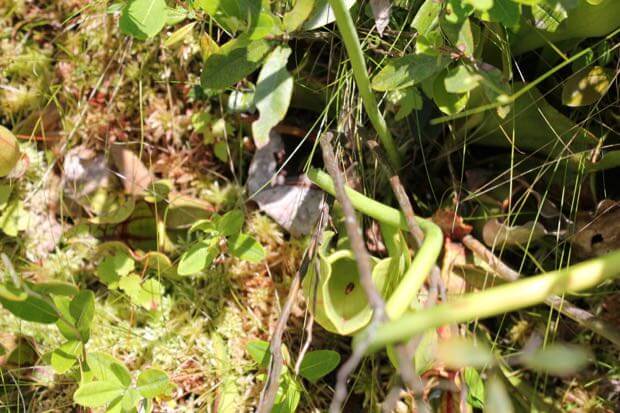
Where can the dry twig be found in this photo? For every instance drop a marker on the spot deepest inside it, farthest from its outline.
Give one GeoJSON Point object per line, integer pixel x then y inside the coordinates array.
{"type": "Point", "coordinates": [362, 258]}
{"type": "Point", "coordinates": [268, 395]}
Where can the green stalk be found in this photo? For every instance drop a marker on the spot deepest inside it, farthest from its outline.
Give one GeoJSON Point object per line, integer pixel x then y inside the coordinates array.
{"type": "Point", "coordinates": [424, 259]}
{"type": "Point", "coordinates": [360, 73]}
{"type": "Point", "coordinates": [497, 300]}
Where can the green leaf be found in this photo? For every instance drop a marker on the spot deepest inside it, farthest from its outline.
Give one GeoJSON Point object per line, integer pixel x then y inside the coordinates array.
{"type": "Point", "coordinates": [461, 79]}
{"type": "Point", "coordinates": [179, 35]}
{"type": "Point", "coordinates": [557, 359]}
{"type": "Point", "coordinates": [424, 356]}
{"type": "Point", "coordinates": [11, 293]}
{"type": "Point", "coordinates": [112, 267]}
{"type": "Point", "coordinates": [131, 285]}
{"type": "Point", "coordinates": [66, 323]}
{"type": "Point", "coordinates": [459, 352]}
{"type": "Point", "coordinates": [65, 356]}
{"type": "Point", "coordinates": [176, 15]}
{"type": "Point", "coordinates": [153, 383]}
{"type": "Point", "coordinates": [232, 15]}
{"type": "Point", "coordinates": [409, 101]}
{"type": "Point", "coordinates": [54, 288]}
{"type": "Point", "coordinates": [259, 351]}
{"type": "Point", "coordinates": [112, 210]}
{"type": "Point", "coordinates": [426, 19]}
{"type": "Point", "coordinates": [230, 223]}
{"type": "Point", "coordinates": [287, 397]}
{"type": "Point", "coordinates": [5, 194]}
{"type": "Point", "coordinates": [106, 368]}
{"type": "Point", "coordinates": [97, 393]}
{"type": "Point", "coordinates": [407, 71]}
{"type": "Point", "coordinates": [220, 150]}
{"type": "Point", "coordinates": [199, 256]}
{"type": "Point", "coordinates": [31, 309]}
{"type": "Point", "coordinates": [457, 11]}
{"type": "Point", "coordinates": [246, 248]}
{"type": "Point", "coordinates": [233, 62]}
{"type": "Point", "coordinates": [480, 4]}
{"type": "Point", "coordinates": [319, 363]}
{"type": "Point", "coordinates": [274, 90]}
{"type": "Point", "coordinates": [143, 19]}
{"type": "Point", "coordinates": [150, 294]}
{"type": "Point", "coordinates": [460, 35]}
{"type": "Point", "coordinates": [497, 398]}
{"type": "Point", "coordinates": [130, 400]}
{"type": "Point", "coordinates": [14, 218]}
{"type": "Point", "coordinates": [82, 309]}
{"type": "Point", "coordinates": [548, 14]}
{"type": "Point", "coordinates": [587, 86]}
{"type": "Point", "coordinates": [298, 14]}
{"type": "Point", "coordinates": [505, 12]}
{"type": "Point", "coordinates": [449, 103]}
{"type": "Point", "coordinates": [475, 387]}
{"type": "Point", "coordinates": [265, 25]}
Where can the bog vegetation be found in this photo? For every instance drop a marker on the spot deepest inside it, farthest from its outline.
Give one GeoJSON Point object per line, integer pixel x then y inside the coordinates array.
{"type": "Point", "coordinates": [309, 205]}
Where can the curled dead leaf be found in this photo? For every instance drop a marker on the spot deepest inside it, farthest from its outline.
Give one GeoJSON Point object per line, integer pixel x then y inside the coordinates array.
{"type": "Point", "coordinates": [451, 224]}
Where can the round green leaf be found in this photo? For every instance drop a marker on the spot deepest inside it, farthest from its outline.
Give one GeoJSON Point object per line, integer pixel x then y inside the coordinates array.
{"type": "Point", "coordinates": [106, 368]}
{"type": "Point", "coordinates": [97, 393]}
{"type": "Point", "coordinates": [153, 383]}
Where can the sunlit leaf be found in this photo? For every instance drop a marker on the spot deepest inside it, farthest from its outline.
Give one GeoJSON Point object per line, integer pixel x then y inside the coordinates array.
{"type": "Point", "coordinates": [274, 89]}
{"type": "Point", "coordinates": [106, 368]}
{"type": "Point", "coordinates": [65, 356]}
{"type": "Point", "coordinates": [259, 351]}
{"type": "Point", "coordinates": [449, 103]}
{"type": "Point", "coordinates": [97, 393]}
{"type": "Point", "coordinates": [179, 35]}
{"type": "Point", "coordinates": [143, 19]}
{"type": "Point", "coordinates": [196, 258]}
{"type": "Point", "coordinates": [475, 387]}
{"type": "Point", "coordinates": [152, 383]}
{"type": "Point", "coordinates": [587, 86]}
{"type": "Point", "coordinates": [82, 309]}
{"type": "Point", "coordinates": [233, 62]}
{"type": "Point", "coordinates": [407, 71]}
{"type": "Point", "coordinates": [461, 79]}
{"type": "Point", "coordinates": [31, 309]}
{"type": "Point", "coordinates": [230, 223]}
{"type": "Point", "coordinates": [298, 14]}
{"type": "Point", "coordinates": [246, 248]}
